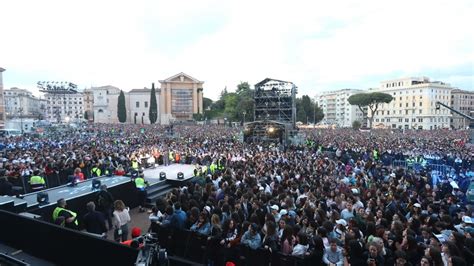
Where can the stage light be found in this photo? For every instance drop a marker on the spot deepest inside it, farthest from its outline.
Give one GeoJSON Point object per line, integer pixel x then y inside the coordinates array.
{"type": "Point", "coordinates": [42, 198]}
{"type": "Point", "coordinates": [162, 176]}
{"type": "Point", "coordinates": [180, 175]}
{"type": "Point", "coordinates": [271, 130]}
{"type": "Point", "coordinates": [96, 184]}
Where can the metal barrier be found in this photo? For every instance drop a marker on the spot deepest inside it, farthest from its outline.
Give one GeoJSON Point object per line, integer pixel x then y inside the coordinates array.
{"type": "Point", "coordinates": [399, 163]}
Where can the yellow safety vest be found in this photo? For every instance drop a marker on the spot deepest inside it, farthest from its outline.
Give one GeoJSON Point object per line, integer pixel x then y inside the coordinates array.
{"type": "Point", "coordinates": [58, 210]}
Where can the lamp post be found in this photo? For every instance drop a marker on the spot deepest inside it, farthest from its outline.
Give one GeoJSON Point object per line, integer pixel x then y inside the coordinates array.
{"type": "Point", "coordinates": [21, 119]}
{"type": "Point", "coordinates": [225, 121]}
{"type": "Point", "coordinates": [244, 113]}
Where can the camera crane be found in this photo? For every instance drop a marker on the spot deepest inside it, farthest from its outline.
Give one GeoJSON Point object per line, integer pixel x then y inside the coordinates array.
{"type": "Point", "coordinates": [469, 118]}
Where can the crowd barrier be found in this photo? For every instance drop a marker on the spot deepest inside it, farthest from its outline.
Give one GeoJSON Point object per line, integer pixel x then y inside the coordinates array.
{"type": "Point", "coordinates": [60, 245]}
{"type": "Point", "coordinates": [199, 248]}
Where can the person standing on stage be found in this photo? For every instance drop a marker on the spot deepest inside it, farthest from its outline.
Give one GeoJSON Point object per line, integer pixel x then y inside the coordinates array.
{"type": "Point", "coordinates": [104, 201]}
{"type": "Point", "coordinates": [68, 218]}
{"type": "Point", "coordinates": [166, 158]}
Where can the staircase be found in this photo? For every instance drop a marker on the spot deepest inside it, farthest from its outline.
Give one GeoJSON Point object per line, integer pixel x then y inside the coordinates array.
{"type": "Point", "coordinates": [156, 191]}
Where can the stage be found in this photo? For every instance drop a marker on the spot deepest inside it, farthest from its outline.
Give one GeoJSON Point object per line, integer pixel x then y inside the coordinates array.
{"type": "Point", "coordinates": [152, 175]}
{"type": "Point", "coordinates": [84, 188]}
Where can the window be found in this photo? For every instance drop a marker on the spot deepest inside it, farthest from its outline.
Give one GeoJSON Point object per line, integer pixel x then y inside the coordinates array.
{"type": "Point", "coordinates": [406, 104]}
{"type": "Point", "coordinates": [146, 104]}
{"type": "Point", "coordinates": [421, 103]}
{"type": "Point", "coordinates": [407, 120]}
{"type": "Point", "coordinates": [406, 112]}
{"type": "Point", "coordinates": [137, 104]}
{"type": "Point", "coordinates": [388, 112]}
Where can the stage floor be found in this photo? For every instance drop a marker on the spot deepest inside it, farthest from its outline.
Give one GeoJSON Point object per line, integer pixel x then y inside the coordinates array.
{"type": "Point", "coordinates": [153, 175]}
{"type": "Point", "coordinates": [85, 187]}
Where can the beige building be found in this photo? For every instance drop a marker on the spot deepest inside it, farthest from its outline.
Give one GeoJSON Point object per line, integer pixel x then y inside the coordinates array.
{"type": "Point", "coordinates": [22, 103]}
{"type": "Point", "coordinates": [139, 105]}
{"type": "Point", "coordinates": [105, 104]}
{"type": "Point", "coordinates": [336, 108]}
{"type": "Point", "coordinates": [462, 101]}
{"type": "Point", "coordinates": [2, 103]}
{"type": "Point", "coordinates": [414, 104]}
{"type": "Point", "coordinates": [88, 96]}
{"type": "Point", "coordinates": [180, 97]}
{"type": "Point", "coordinates": [64, 107]}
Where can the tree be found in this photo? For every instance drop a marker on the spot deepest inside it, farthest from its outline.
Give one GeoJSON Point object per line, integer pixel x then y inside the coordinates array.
{"type": "Point", "coordinates": [121, 108]}
{"type": "Point", "coordinates": [153, 113]}
{"type": "Point", "coordinates": [245, 102]}
{"type": "Point", "coordinates": [307, 110]}
{"type": "Point", "coordinates": [356, 124]}
{"type": "Point", "coordinates": [206, 103]}
{"type": "Point", "coordinates": [371, 100]}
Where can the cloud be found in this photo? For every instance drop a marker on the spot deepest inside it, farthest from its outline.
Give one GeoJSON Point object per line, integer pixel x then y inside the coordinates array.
{"type": "Point", "coordinates": [317, 45]}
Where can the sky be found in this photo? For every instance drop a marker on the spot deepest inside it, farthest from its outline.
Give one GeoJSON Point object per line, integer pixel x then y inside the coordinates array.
{"type": "Point", "coordinates": [318, 45]}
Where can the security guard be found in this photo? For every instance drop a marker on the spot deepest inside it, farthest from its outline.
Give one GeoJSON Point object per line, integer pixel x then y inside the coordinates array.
{"type": "Point", "coordinates": [95, 171]}
{"type": "Point", "coordinates": [37, 182]}
{"type": "Point", "coordinates": [220, 164]}
{"type": "Point", "coordinates": [376, 155]}
{"type": "Point", "coordinates": [213, 167]}
{"type": "Point", "coordinates": [63, 216]}
{"type": "Point", "coordinates": [141, 185]}
{"type": "Point", "coordinates": [135, 164]}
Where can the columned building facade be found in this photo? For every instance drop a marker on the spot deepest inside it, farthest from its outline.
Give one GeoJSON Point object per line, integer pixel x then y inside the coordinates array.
{"type": "Point", "coordinates": [180, 97]}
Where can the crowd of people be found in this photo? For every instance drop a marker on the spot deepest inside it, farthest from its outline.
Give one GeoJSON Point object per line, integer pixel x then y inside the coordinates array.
{"type": "Point", "coordinates": [349, 207]}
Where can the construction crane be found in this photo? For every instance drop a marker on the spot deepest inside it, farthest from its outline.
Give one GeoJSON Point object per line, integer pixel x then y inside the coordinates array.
{"type": "Point", "coordinates": [469, 118]}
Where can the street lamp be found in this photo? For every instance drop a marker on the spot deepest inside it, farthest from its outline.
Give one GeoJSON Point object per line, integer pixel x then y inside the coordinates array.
{"type": "Point", "coordinates": [244, 113]}
{"type": "Point", "coordinates": [21, 119]}
{"type": "Point", "coordinates": [225, 121]}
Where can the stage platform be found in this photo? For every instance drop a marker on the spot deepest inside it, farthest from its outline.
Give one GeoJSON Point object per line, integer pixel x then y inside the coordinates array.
{"type": "Point", "coordinates": [84, 188]}
{"type": "Point", "coordinates": [152, 175]}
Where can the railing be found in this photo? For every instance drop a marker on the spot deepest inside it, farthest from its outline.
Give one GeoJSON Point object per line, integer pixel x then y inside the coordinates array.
{"type": "Point", "coordinates": [199, 248]}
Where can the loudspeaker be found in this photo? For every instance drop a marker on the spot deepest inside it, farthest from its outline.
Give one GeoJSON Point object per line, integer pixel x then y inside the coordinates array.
{"type": "Point", "coordinates": [162, 176]}
{"type": "Point", "coordinates": [180, 175]}
{"type": "Point", "coordinates": [42, 198]}
{"type": "Point", "coordinates": [96, 184]}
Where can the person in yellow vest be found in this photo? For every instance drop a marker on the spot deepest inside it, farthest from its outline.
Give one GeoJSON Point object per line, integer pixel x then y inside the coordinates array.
{"type": "Point", "coordinates": [220, 164]}
{"type": "Point", "coordinates": [135, 164]}
{"type": "Point", "coordinates": [376, 154]}
{"type": "Point", "coordinates": [95, 171]}
{"type": "Point", "coordinates": [63, 216]}
{"type": "Point", "coordinates": [171, 157]}
{"type": "Point", "coordinates": [37, 182]}
{"type": "Point", "coordinates": [141, 185]}
{"type": "Point", "coordinates": [213, 167]}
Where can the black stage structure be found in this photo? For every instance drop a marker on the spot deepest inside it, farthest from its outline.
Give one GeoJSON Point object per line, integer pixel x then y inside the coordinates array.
{"type": "Point", "coordinates": [274, 112]}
